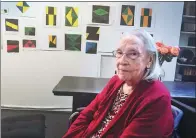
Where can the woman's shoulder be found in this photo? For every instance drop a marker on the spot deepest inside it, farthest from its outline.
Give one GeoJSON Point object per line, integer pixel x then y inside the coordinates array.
{"type": "Point", "coordinates": [152, 93]}
{"type": "Point", "coordinates": [155, 90]}
{"type": "Point", "coordinates": [160, 87]}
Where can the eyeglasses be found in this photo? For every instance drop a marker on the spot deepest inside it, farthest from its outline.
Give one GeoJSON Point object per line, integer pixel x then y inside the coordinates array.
{"type": "Point", "coordinates": [131, 55]}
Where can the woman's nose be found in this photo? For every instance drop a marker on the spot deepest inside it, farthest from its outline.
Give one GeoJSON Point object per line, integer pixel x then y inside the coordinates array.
{"type": "Point", "coordinates": [123, 59]}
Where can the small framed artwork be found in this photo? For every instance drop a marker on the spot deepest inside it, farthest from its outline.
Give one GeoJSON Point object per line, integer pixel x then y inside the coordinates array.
{"type": "Point", "coordinates": [91, 47]}
{"type": "Point", "coordinates": [127, 15]}
{"type": "Point", "coordinates": [92, 33]}
{"type": "Point", "coordinates": [73, 42]}
{"type": "Point", "coordinates": [29, 31]}
{"type": "Point", "coordinates": [22, 6]}
{"type": "Point", "coordinates": [51, 14]}
{"type": "Point", "coordinates": [101, 14]}
{"type": "Point", "coordinates": [71, 16]}
{"type": "Point", "coordinates": [146, 16]}
{"type": "Point", "coordinates": [29, 44]}
{"type": "Point", "coordinates": [12, 46]}
{"type": "Point", "coordinates": [52, 17]}
{"type": "Point", "coordinates": [52, 41]}
{"type": "Point", "coordinates": [11, 26]}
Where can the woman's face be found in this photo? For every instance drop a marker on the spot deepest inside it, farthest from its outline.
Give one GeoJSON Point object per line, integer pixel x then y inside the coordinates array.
{"type": "Point", "coordinates": [131, 59]}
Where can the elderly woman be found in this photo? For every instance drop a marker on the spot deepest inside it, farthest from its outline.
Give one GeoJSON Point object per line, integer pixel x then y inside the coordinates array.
{"type": "Point", "coordinates": [134, 103]}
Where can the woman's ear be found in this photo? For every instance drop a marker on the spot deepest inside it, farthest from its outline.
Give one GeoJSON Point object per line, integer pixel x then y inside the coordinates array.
{"type": "Point", "coordinates": [150, 60]}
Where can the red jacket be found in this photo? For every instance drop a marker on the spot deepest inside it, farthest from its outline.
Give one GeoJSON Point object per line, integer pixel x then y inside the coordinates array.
{"type": "Point", "coordinates": [145, 114]}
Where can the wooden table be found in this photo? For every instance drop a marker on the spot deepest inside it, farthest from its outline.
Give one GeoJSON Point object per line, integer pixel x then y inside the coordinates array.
{"type": "Point", "coordinates": [84, 89]}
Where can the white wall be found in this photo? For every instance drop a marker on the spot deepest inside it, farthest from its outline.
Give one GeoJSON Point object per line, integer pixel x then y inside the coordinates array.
{"type": "Point", "coordinates": [28, 77]}
{"type": "Point", "coordinates": [167, 29]}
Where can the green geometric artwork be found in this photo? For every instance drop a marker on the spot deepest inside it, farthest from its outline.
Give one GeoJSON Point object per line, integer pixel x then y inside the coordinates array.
{"type": "Point", "coordinates": [127, 15]}
{"type": "Point", "coordinates": [71, 16]}
{"type": "Point", "coordinates": [146, 17]}
{"type": "Point", "coordinates": [100, 14]}
{"type": "Point", "coordinates": [73, 42]}
{"type": "Point", "coordinates": [30, 31]}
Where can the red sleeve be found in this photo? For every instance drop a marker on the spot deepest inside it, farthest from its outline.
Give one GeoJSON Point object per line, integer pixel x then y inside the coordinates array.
{"type": "Point", "coordinates": [79, 126]}
{"type": "Point", "coordinates": [155, 121]}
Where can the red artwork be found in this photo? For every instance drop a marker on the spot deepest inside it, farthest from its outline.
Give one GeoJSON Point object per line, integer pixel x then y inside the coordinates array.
{"type": "Point", "coordinates": [29, 43]}
{"type": "Point", "coordinates": [12, 46]}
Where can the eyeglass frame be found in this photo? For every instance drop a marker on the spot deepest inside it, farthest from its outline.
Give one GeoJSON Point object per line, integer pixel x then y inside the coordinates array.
{"type": "Point", "coordinates": [115, 51]}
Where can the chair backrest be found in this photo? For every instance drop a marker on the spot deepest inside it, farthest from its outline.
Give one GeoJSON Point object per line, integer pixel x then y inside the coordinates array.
{"type": "Point", "coordinates": [72, 118]}
{"type": "Point", "coordinates": [186, 127]}
{"type": "Point", "coordinates": [177, 114]}
{"type": "Point", "coordinates": [74, 115]}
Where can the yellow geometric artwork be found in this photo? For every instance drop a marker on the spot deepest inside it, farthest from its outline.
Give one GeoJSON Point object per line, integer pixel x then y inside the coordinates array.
{"type": "Point", "coordinates": [71, 16]}
{"type": "Point", "coordinates": [146, 17]}
{"type": "Point", "coordinates": [52, 41]}
{"type": "Point", "coordinates": [127, 15]}
{"type": "Point", "coordinates": [51, 13]}
{"type": "Point", "coordinates": [92, 33]}
{"type": "Point", "coordinates": [22, 6]}
{"type": "Point", "coordinates": [11, 25]}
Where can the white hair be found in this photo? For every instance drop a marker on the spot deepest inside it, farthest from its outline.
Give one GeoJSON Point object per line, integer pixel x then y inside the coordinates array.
{"type": "Point", "coordinates": [155, 70]}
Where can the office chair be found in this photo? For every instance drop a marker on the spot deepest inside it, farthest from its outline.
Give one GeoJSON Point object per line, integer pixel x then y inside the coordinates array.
{"type": "Point", "coordinates": [177, 114]}
{"type": "Point", "coordinates": [74, 115]}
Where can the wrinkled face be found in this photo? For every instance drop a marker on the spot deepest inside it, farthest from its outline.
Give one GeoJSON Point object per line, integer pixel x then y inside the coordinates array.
{"type": "Point", "coordinates": [131, 59]}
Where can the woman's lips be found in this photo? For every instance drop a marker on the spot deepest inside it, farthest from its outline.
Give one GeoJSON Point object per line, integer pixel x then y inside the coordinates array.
{"type": "Point", "coordinates": [122, 70]}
